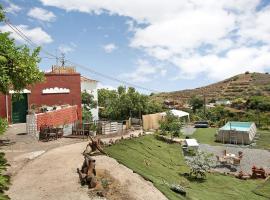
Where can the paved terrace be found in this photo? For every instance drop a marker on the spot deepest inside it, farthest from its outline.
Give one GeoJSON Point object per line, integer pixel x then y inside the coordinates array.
{"type": "Point", "coordinates": [257, 157]}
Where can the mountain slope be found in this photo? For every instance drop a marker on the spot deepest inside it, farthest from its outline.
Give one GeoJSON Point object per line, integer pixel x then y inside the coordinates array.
{"type": "Point", "coordinates": [242, 85]}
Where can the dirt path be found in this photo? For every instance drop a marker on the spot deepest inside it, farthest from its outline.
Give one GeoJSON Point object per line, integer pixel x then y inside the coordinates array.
{"type": "Point", "coordinates": [52, 176]}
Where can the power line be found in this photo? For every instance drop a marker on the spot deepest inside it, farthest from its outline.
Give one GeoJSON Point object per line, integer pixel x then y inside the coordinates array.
{"type": "Point", "coordinates": [26, 38]}
{"type": "Point", "coordinates": [33, 44]}
{"type": "Point", "coordinates": [110, 77]}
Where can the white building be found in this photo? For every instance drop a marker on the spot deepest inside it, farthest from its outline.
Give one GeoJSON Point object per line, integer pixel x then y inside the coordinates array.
{"type": "Point", "coordinates": [90, 86]}
{"type": "Point", "coordinates": [223, 102]}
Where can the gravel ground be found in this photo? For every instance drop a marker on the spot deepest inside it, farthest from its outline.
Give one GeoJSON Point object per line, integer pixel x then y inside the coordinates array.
{"type": "Point", "coordinates": [188, 130]}
{"type": "Point", "coordinates": [257, 157]}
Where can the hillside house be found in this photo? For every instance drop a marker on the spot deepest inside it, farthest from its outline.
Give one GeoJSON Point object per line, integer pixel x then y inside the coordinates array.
{"type": "Point", "coordinates": [62, 86]}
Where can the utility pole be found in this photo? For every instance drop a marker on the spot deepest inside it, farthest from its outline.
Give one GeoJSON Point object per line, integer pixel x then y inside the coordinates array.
{"type": "Point", "coordinates": [62, 59]}
{"type": "Point", "coordinates": [204, 104]}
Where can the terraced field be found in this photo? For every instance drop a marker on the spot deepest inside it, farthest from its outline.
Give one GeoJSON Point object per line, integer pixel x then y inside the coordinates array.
{"type": "Point", "coordinates": [238, 86]}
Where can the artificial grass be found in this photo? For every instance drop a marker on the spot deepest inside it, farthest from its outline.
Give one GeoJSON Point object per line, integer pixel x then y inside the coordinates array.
{"type": "Point", "coordinates": [161, 163]}
{"type": "Point", "coordinates": [264, 189]}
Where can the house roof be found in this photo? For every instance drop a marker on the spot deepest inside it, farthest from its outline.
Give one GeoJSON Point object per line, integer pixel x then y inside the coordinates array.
{"type": "Point", "coordinates": [83, 78]}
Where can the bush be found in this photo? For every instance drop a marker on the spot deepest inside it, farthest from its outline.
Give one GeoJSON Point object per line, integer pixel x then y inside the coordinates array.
{"type": "Point", "coordinates": [3, 125]}
{"type": "Point", "coordinates": [87, 115]}
{"type": "Point", "coordinates": [4, 180]}
{"type": "Point", "coordinates": [267, 88]}
{"type": "Point", "coordinates": [170, 125]}
{"type": "Point", "coordinates": [200, 164]}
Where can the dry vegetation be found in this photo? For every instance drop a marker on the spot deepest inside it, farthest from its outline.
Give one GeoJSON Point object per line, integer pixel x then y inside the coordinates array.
{"type": "Point", "coordinates": [247, 84]}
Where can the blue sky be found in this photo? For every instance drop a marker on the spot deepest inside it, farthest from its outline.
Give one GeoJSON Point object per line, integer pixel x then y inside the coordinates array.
{"type": "Point", "coordinates": [162, 45]}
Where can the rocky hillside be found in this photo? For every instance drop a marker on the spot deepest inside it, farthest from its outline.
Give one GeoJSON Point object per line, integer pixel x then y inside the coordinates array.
{"type": "Point", "coordinates": [242, 85]}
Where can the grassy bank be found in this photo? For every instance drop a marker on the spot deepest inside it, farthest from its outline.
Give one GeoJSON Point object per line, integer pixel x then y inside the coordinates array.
{"type": "Point", "coordinates": [160, 162]}
{"type": "Point", "coordinates": [264, 189]}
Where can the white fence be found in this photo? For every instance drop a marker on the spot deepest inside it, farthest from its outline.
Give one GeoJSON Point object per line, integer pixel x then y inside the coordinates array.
{"type": "Point", "coordinates": [112, 127]}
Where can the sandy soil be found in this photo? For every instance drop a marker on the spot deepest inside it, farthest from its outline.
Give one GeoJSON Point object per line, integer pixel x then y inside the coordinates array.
{"type": "Point", "coordinates": [53, 176]}
{"type": "Point", "coordinates": [47, 171]}
{"type": "Point", "coordinates": [136, 186]}
{"type": "Point", "coordinates": [25, 148]}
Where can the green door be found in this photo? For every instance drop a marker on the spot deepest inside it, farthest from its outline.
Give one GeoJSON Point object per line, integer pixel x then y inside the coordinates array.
{"type": "Point", "coordinates": [19, 109]}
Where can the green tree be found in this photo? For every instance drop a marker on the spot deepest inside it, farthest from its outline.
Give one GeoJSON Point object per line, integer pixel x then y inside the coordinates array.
{"type": "Point", "coordinates": [18, 64]}
{"type": "Point", "coordinates": [196, 103]}
{"type": "Point", "coordinates": [261, 103]}
{"type": "Point", "coordinates": [124, 102]}
{"type": "Point", "coordinates": [170, 125]}
{"type": "Point", "coordinates": [88, 104]}
{"type": "Point", "coordinates": [18, 69]}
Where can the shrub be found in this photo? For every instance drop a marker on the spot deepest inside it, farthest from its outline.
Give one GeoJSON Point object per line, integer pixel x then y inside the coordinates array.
{"type": "Point", "coordinates": [200, 164]}
{"type": "Point", "coordinates": [267, 88]}
{"type": "Point", "coordinates": [3, 125]}
{"type": "Point", "coordinates": [170, 125]}
{"type": "Point", "coordinates": [4, 180]}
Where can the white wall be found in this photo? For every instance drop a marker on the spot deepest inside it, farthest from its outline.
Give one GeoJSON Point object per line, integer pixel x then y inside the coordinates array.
{"type": "Point", "coordinates": [91, 88]}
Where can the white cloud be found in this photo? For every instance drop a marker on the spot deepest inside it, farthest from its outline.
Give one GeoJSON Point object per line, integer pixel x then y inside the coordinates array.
{"type": "Point", "coordinates": [37, 34]}
{"type": "Point", "coordinates": [144, 72]}
{"type": "Point", "coordinates": [151, 10]}
{"type": "Point", "coordinates": [234, 62]}
{"type": "Point", "coordinates": [64, 48]}
{"type": "Point", "coordinates": [255, 27]}
{"type": "Point", "coordinates": [214, 38]}
{"type": "Point", "coordinates": [41, 14]}
{"type": "Point", "coordinates": [108, 48]}
{"type": "Point", "coordinates": [179, 35]}
{"type": "Point", "coordinates": [13, 8]}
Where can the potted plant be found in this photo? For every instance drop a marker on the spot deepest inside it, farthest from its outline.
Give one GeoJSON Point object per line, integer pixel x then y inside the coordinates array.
{"type": "Point", "coordinates": [44, 108]}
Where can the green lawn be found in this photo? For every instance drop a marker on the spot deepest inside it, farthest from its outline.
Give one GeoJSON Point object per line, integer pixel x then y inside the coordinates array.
{"type": "Point", "coordinates": [207, 136]}
{"type": "Point", "coordinates": [161, 162]}
{"type": "Point", "coordinates": [264, 189]}
{"type": "Point", "coordinates": [264, 140]}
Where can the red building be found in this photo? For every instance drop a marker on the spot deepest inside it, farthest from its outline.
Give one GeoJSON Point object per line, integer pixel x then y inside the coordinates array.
{"type": "Point", "coordinates": [61, 86]}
